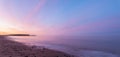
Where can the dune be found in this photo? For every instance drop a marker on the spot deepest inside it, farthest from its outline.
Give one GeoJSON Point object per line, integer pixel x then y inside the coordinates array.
{"type": "Point", "coordinates": [9, 48]}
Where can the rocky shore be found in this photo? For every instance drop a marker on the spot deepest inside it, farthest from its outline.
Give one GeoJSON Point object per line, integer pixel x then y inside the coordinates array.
{"type": "Point", "coordinates": [10, 48]}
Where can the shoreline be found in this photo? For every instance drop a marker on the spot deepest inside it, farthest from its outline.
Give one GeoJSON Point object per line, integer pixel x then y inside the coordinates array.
{"type": "Point", "coordinates": [66, 50]}
{"type": "Point", "coordinates": [81, 52]}
{"type": "Point", "coordinates": [10, 48]}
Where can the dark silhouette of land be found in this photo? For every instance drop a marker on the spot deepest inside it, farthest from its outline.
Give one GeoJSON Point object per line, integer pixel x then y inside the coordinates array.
{"type": "Point", "coordinates": [10, 48]}
{"type": "Point", "coordinates": [17, 35]}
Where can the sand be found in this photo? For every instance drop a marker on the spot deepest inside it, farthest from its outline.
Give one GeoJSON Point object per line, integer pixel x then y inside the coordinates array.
{"type": "Point", "coordinates": [10, 48]}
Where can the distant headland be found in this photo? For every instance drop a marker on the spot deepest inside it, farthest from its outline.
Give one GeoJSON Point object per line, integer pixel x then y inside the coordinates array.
{"type": "Point", "coordinates": [17, 35]}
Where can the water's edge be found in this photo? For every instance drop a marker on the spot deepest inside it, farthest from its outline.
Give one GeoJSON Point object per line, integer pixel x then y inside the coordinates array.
{"type": "Point", "coordinates": [78, 53]}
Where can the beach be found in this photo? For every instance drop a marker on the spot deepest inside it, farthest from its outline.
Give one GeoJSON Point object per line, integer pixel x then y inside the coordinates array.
{"type": "Point", "coordinates": [9, 48]}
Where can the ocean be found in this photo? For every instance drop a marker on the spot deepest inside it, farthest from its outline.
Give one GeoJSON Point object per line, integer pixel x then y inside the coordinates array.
{"type": "Point", "coordinates": [80, 46]}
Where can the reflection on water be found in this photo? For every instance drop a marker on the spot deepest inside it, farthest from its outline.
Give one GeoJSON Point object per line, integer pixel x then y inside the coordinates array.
{"type": "Point", "coordinates": [75, 43]}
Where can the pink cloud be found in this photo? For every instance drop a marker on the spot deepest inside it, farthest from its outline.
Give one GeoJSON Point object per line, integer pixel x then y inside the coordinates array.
{"type": "Point", "coordinates": [35, 9]}
{"type": "Point", "coordinates": [92, 27]}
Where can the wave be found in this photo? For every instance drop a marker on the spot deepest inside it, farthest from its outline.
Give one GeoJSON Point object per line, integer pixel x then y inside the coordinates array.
{"type": "Point", "coordinates": [80, 52]}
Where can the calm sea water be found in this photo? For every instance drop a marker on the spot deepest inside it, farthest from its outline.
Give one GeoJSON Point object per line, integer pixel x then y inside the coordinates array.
{"type": "Point", "coordinates": [91, 45]}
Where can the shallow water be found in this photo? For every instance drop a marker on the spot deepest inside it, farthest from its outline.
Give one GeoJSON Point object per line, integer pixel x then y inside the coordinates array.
{"type": "Point", "coordinates": [102, 46]}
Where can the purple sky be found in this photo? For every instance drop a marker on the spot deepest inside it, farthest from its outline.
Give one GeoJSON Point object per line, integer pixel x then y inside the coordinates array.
{"type": "Point", "coordinates": [61, 17]}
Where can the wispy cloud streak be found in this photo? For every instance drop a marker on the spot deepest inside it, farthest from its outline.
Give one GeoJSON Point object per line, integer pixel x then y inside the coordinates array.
{"type": "Point", "coordinates": [102, 25]}
{"type": "Point", "coordinates": [35, 10]}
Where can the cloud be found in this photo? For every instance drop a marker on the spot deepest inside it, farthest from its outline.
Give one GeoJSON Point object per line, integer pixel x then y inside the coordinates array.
{"type": "Point", "coordinates": [107, 25]}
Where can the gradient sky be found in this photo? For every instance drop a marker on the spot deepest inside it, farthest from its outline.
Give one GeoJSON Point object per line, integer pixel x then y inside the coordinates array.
{"type": "Point", "coordinates": [60, 17]}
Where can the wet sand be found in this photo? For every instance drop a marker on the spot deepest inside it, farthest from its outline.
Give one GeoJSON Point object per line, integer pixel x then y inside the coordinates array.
{"type": "Point", "coordinates": [10, 48]}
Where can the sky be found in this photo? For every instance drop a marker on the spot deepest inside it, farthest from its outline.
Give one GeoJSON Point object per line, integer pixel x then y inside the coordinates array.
{"type": "Point", "coordinates": [60, 17]}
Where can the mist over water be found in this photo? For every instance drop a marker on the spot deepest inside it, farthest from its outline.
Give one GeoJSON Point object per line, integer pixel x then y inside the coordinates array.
{"type": "Point", "coordinates": [76, 44]}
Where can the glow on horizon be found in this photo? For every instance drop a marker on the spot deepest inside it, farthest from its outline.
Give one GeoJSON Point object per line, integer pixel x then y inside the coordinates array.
{"type": "Point", "coordinates": [8, 27]}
